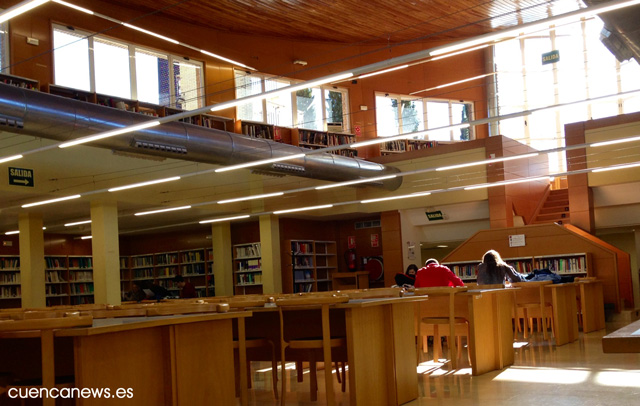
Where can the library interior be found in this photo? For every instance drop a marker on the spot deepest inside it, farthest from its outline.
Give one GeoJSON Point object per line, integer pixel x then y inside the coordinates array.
{"type": "Point", "coordinates": [211, 202]}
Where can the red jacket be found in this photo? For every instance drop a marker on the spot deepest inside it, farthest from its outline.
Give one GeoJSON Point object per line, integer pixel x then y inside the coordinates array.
{"type": "Point", "coordinates": [436, 275]}
{"type": "Point", "coordinates": [188, 291]}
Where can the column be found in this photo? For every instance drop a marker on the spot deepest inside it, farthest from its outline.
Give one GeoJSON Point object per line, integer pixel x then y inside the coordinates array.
{"type": "Point", "coordinates": [270, 247]}
{"type": "Point", "coordinates": [32, 278]}
{"type": "Point", "coordinates": [106, 252]}
{"type": "Point", "coordinates": [222, 258]}
{"type": "Point", "coordinates": [391, 245]}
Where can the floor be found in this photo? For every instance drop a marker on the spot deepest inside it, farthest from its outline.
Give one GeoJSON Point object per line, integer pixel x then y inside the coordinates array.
{"type": "Point", "coordinates": [543, 375]}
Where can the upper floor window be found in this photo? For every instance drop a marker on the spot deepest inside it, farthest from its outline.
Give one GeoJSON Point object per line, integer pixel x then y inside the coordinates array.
{"type": "Point", "coordinates": [4, 46]}
{"type": "Point", "coordinates": [115, 68]}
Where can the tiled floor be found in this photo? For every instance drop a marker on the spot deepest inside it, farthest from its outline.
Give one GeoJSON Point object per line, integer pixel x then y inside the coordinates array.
{"type": "Point", "coordinates": [543, 375]}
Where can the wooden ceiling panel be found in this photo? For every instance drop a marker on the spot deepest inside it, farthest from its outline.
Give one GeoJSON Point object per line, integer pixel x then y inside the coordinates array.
{"type": "Point", "coordinates": [354, 21]}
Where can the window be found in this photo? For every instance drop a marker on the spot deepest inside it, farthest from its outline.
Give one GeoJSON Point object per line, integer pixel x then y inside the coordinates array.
{"type": "Point", "coordinates": [106, 66]}
{"type": "Point", "coordinates": [398, 114]}
{"type": "Point", "coordinates": [586, 69]}
{"type": "Point", "coordinates": [312, 109]}
{"type": "Point", "coordinates": [4, 46]}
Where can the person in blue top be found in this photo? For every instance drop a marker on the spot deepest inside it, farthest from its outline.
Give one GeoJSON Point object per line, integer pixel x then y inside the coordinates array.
{"type": "Point", "coordinates": [493, 270]}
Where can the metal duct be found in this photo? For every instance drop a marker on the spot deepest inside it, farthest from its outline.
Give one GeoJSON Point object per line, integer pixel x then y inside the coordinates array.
{"type": "Point", "coordinates": [59, 118]}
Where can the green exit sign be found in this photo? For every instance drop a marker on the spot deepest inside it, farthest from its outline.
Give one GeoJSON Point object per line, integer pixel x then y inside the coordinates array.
{"type": "Point", "coordinates": [434, 215]}
{"type": "Point", "coordinates": [550, 57]}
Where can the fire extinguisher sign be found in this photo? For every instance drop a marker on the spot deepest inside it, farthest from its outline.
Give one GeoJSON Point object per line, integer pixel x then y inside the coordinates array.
{"type": "Point", "coordinates": [351, 242]}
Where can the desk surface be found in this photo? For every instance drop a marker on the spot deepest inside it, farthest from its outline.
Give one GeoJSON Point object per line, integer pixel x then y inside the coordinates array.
{"type": "Point", "coordinates": [626, 339]}
{"type": "Point", "coordinates": [103, 326]}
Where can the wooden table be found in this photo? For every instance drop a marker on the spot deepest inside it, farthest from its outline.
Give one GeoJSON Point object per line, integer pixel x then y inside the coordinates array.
{"type": "Point", "coordinates": [591, 305]}
{"type": "Point", "coordinates": [182, 360]}
{"type": "Point", "coordinates": [565, 311]}
{"type": "Point", "coordinates": [350, 280]}
{"type": "Point", "coordinates": [626, 339]}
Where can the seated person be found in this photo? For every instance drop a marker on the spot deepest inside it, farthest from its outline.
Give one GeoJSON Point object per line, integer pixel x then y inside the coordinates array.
{"type": "Point", "coordinates": [145, 290]}
{"type": "Point", "coordinates": [493, 270]}
{"type": "Point", "coordinates": [433, 274]}
{"type": "Point", "coordinates": [408, 278]}
{"type": "Point", "coordinates": [187, 290]}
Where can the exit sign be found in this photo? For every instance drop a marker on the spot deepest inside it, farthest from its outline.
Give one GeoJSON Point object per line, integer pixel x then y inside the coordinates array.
{"type": "Point", "coordinates": [550, 57]}
{"type": "Point", "coordinates": [434, 215]}
{"type": "Point", "coordinates": [21, 177]}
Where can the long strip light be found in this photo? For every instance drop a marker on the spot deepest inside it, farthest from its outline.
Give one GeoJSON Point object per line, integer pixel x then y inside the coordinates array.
{"type": "Point", "coordinates": [222, 58]}
{"type": "Point", "coordinates": [12, 232]}
{"type": "Point", "coordinates": [355, 182]}
{"type": "Point", "coordinates": [225, 219]}
{"type": "Point", "coordinates": [20, 8]}
{"type": "Point", "coordinates": [144, 213]}
{"type": "Point", "coordinates": [260, 162]}
{"type": "Point", "coordinates": [368, 75]}
{"type": "Point", "coordinates": [133, 27]}
{"type": "Point", "coordinates": [618, 141]}
{"type": "Point", "coordinates": [616, 167]}
{"type": "Point", "coordinates": [141, 184]}
{"type": "Point", "coordinates": [77, 223]}
{"type": "Point", "coordinates": [64, 3]}
{"type": "Point", "coordinates": [455, 83]}
{"type": "Point", "coordinates": [488, 161]}
{"type": "Point", "coordinates": [86, 237]}
{"type": "Point", "coordinates": [308, 208]}
{"type": "Point", "coordinates": [253, 197]}
{"type": "Point", "coordinates": [60, 199]}
{"type": "Point", "coordinates": [10, 158]}
{"type": "Point", "coordinates": [507, 182]}
{"type": "Point", "coordinates": [384, 199]}
{"type": "Point", "coordinates": [111, 133]}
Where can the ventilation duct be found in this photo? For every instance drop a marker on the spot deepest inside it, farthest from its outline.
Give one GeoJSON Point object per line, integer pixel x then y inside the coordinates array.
{"type": "Point", "coordinates": [621, 32]}
{"type": "Point", "coordinates": [63, 119]}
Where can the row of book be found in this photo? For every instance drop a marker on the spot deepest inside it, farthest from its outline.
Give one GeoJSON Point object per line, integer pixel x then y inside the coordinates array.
{"type": "Point", "coordinates": [249, 265]}
{"type": "Point", "coordinates": [80, 276]}
{"type": "Point", "coordinates": [248, 279]}
{"type": "Point", "coordinates": [302, 287]}
{"type": "Point", "coordinates": [351, 153]}
{"type": "Point", "coordinates": [164, 272]}
{"type": "Point", "coordinates": [191, 256]}
{"type": "Point", "coordinates": [521, 266]}
{"type": "Point", "coordinates": [18, 82]}
{"type": "Point", "coordinates": [394, 146]}
{"type": "Point", "coordinates": [192, 269]}
{"type": "Point", "coordinates": [10, 263]}
{"type": "Point", "coordinates": [303, 261]}
{"type": "Point", "coordinates": [146, 260]}
{"type": "Point", "coordinates": [143, 274]}
{"type": "Point", "coordinates": [81, 289]}
{"type": "Point", "coordinates": [55, 290]}
{"type": "Point", "coordinates": [7, 292]}
{"type": "Point", "coordinates": [465, 271]}
{"type": "Point", "coordinates": [420, 144]}
{"type": "Point", "coordinates": [301, 248]}
{"type": "Point", "coordinates": [257, 130]}
{"type": "Point", "coordinates": [166, 259]}
{"type": "Point", "coordinates": [55, 262]}
{"type": "Point", "coordinates": [251, 250]}
{"type": "Point", "coordinates": [9, 278]}
{"type": "Point", "coordinates": [53, 276]}
{"type": "Point", "coordinates": [562, 265]}
{"type": "Point", "coordinates": [81, 262]}
{"type": "Point", "coordinates": [303, 276]}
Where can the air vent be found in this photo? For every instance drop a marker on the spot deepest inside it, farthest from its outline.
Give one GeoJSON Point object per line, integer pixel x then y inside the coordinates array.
{"type": "Point", "coordinates": [11, 121]}
{"type": "Point", "coordinates": [160, 147]}
{"type": "Point", "coordinates": [367, 224]}
{"type": "Point", "coordinates": [288, 167]}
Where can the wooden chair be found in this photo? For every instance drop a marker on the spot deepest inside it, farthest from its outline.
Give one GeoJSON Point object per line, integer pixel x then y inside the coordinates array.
{"type": "Point", "coordinates": [531, 303]}
{"type": "Point", "coordinates": [326, 342]}
{"type": "Point", "coordinates": [451, 321]}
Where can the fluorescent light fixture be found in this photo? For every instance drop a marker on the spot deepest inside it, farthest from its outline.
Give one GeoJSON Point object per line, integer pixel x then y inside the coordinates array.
{"type": "Point", "coordinates": [225, 219]}
{"type": "Point", "coordinates": [151, 33]}
{"type": "Point", "coordinates": [528, 28]}
{"type": "Point", "coordinates": [60, 199]}
{"type": "Point", "coordinates": [278, 92]}
{"type": "Point", "coordinates": [368, 75]}
{"type": "Point", "coordinates": [455, 83]}
{"type": "Point", "coordinates": [507, 182]}
{"type": "Point", "coordinates": [109, 134]}
{"type": "Point", "coordinates": [144, 213]}
{"type": "Point", "coordinates": [64, 3]}
{"type": "Point", "coordinates": [242, 199]}
{"type": "Point", "coordinates": [12, 232]}
{"type": "Point", "coordinates": [442, 246]}
{"type": "Point", "coordinates": [10, 158]}
{"type": "Point", "coordinates": [222, 58]}
{"type": "Point", "coordinates": [20, 8]}
{"type": "Point", "coordinates": [613, 168]}
{"type": "Point", "coordinates": [488, 161]}
{"type": "Point", "coordinates": [77, 223]}
{"type": "Point", "coordinates": [86, 237]}
{"type": "Point", "coordinates": [464, 51]}
{"type": "Point", "coordinates": [141, 184]}
{"type": "Point", "coordinates": [384, 199]}
{"type": "Point", "coordinates": [260, 162]}
{"type": "Point", "coordinates": [600, 144]}
{"type": "Point", "coordinates": [355, 182]}
{"type": "Point", "coordinates": [44, 228]}
{"type": "Point", "coordinates": [324, 206]}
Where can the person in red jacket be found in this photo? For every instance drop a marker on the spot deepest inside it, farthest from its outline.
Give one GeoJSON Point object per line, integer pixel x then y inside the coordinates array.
{"type": "Point", "coordinates": [434, 274]}
{"type": "Point", "coordinates": [187, 290]}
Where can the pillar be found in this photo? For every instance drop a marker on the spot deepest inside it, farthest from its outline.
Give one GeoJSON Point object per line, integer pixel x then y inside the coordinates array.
{"type": "Point", "coordinates": [270, 247]}
{"type": "Point", "coordinates": [106, 252]}
{"type": "Point", "coordinates": [222, 258]}
{"type": "Point", "coordinates": [32, 279]}
{"type": "Point", "coordinates": [391, 245]}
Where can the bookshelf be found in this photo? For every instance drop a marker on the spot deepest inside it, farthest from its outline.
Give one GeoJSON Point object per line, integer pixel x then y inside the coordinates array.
{"type": "Point", "coordinates": [247, 268]}
{"type": "Point", "coordinates": [256, 129]}
{"type": "Point", "coordinates": [196, 266]}
{"type": "Point", "coordinates": [401, 146]}
{"type": "Point", "coordinates": [68, 279]}
{"type": "Point", "coordinates": [310, 267]}
{"type": "Point", "coordinates": [80, 270]}
{"type": "Point", "coordinates": [18, 81]}
{"type": "Point", "coordinates": [10, 295]}
{"type": "Point", "coordinates": [566, 264]}
{"type": "Point", "coordinates": [313, 139]}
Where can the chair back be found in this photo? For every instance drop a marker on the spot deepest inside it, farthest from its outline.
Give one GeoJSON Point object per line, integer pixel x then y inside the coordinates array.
{"type": "Point", "coordinates": [531, 292]}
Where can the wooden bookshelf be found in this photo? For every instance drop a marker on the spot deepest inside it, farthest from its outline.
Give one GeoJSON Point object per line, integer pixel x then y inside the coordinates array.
{"type": "Point", "coordinates": [247, 268]}
{"type": "Point", "coordinates": [18, 81]}
{"type": "Point", "coordinates": [256, 129]}
{"type": "Point", "coordinates": [10, 294]}
{"type": "Point", "coordinates": [402, 146]}
{"type": "Point", "coordinates": [68, 279]}
{"type": "Point", "coordinates": [196, 266]}
{"type": "Point", "coordinates": [310, 265]}
{"type": "Point", "coordinates": [313, 139]}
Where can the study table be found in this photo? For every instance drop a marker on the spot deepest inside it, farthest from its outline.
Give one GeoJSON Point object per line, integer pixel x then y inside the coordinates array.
{"type": "Point", "coordinates": [182, 360]}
